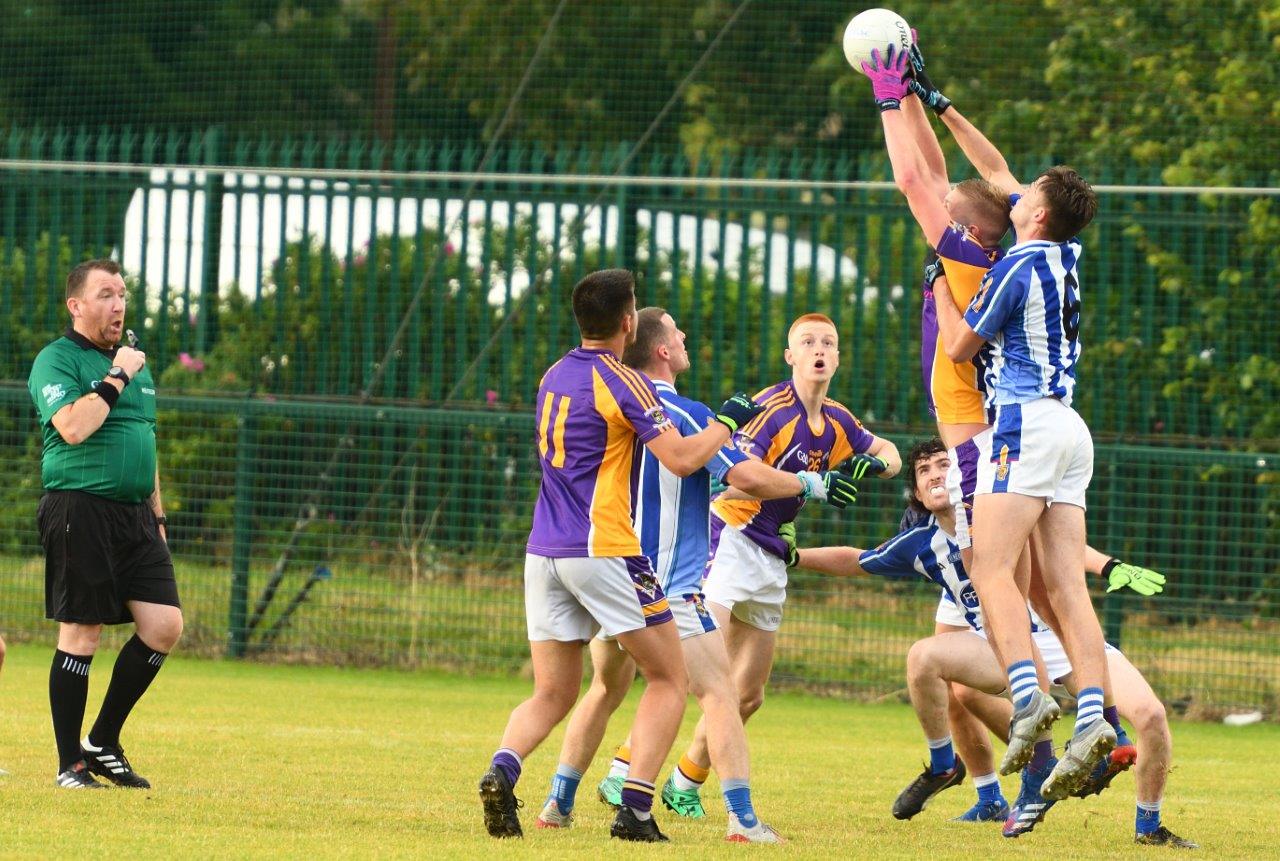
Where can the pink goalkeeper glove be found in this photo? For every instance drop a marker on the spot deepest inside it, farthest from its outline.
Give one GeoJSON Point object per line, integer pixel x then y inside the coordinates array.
{"type": "Point", "coordinates": [888, 74]}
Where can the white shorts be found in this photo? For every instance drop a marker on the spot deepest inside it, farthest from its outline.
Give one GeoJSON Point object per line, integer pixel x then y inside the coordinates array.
{"type": "Point", "coordinates": [949, 614]}
{"type": "Point", "coordinates": [691, 616]}
{"type": "Point", "coordinates": [1053, 654]}
{"type": "Point", "coordinates": [1041, 449]}
{"type": "Point", "coordinates": [569, 599]}
{"type": "Point", "coordinates": [749, 582]}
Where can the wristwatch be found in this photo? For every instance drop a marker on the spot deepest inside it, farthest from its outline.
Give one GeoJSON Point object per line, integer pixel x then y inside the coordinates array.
{"type": "Point", "coordinates": [118, 373]}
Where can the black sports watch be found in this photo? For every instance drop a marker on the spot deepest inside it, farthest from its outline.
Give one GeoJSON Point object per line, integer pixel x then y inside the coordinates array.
{"type": "Point", "coordinates": [117, 373]}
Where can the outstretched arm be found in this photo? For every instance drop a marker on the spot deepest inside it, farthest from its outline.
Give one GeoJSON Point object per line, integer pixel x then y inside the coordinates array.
{"type": "Point", "coordinates": [913, 109]}
{"type": "Point", "coordinates": [980, 152]}
{"type": "Point", "coordinates": [935, 163]}
{"type": "Point", "coordinates": [837, 561]}
{"type": "Point", "coordinates": [911, 172]}
{"type": "Point", "coordinates": [911, 175]}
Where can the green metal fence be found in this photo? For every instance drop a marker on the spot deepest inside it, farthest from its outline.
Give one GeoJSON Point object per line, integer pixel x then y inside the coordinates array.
{"type": "Point", "coordinates": [269, 300]}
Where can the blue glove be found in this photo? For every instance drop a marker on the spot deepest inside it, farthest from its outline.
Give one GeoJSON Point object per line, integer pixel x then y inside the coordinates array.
{"type": "Point", "coordinates": [920, 83]}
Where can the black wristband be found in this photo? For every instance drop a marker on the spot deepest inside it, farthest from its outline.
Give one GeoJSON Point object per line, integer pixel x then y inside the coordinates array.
{"type": "Point", "coordinates": [161, 520]}
{"type": "Point", "coordinates": [1111, 563]}
{"type": "Point", "coordinates": [888, 105]}
{"type": "Point", "coordinates": [109, 393]}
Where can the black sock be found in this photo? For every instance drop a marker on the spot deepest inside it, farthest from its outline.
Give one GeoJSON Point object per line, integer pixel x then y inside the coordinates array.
{"type": "Point", "coordinates": [68, 690]}
{"type": "Point", "coordinates": [135, 668]}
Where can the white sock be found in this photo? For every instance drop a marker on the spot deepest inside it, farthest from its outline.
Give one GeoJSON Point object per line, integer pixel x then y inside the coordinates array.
{"type": "Point", "coordinates": [683, 783]}
{"type": "Point", "coordinates": [981, 780]}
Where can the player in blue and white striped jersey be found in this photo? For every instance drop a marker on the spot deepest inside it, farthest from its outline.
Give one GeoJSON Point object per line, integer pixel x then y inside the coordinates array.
{"type": "Point", "coordinates": [1034, 465]}
{"type": "Point", "coordinates": [929, 549]}
{"type": "Point", "coordinates": [672, 521]}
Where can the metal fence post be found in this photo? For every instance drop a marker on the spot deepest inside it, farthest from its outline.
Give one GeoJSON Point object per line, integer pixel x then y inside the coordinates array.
{"type": "Point", "coordinates": [207, 332]}
{"type": "Point", "coordinates": [242, 533]}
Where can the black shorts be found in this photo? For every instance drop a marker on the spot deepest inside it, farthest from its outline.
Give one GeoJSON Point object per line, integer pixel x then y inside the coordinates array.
{"type": "Point", "coordinates": [98, 554]}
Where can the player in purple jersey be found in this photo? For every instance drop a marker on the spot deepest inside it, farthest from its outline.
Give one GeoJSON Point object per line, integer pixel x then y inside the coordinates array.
{"type": "Point", "coordinates": [672, 520]}
{"type": "Point", "coordinates": [1036, 462]}
{"type": "Point", "coordinates": [800, 429]}
{"type": "Point", "coordinates": [584, 570]}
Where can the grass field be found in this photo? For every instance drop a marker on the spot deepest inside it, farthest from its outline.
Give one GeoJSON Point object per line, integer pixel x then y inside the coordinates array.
{"type": "Point", "coordinates": [253, 760]}
{"type": "Point", "coordinates": [846, 637]}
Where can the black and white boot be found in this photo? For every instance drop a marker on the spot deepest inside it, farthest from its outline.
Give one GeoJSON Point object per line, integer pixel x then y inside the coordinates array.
{"type": "Point", "coordinates": [78, 777]}
{"type": "Point", "coordinates": [110, 762]}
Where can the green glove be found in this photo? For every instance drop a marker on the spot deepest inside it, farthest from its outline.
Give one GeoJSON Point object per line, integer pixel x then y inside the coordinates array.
{"type": "Point", "coordinates": [862, 464]}
{"type": "Point", "coordinates": [1144, 581]}
{"type": "Point", "coordinates": [787, 532]}
{"type": "Point", "coordinates": [832, 487]}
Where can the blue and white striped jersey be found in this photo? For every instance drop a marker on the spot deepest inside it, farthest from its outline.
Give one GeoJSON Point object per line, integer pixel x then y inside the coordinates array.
{"type": "Point", "coordinates": [924, 550]}
{"type": "Point", "coordinates": [673, 513]}
{"type": "Point", "coordinates": [1028, 309]}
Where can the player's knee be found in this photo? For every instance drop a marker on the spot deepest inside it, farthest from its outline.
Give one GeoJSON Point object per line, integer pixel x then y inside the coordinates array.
{"type": "Point", "coordinates": [920, 662]}
{"type": "Point", "coordinates": [162, 630]}
{"type": "Point", "coordinates": [1150, 719]}
{"type": "Point", "coordinates": [80, 640]}
{"type": "Point", "coordinates": [558, 699]}
{"type": "Point", "coordinates": [749, 703]}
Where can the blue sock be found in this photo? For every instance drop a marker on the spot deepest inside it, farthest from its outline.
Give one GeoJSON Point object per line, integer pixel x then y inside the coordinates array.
{"type": "Point", "coordinates": [988, 789]}
{"type": "Point", "coordinates": [1022, 682]}
{"type": "Point", "coordinates": [509, 763]}
{"type": "Point", "coordinates": [1041, 755]}
{"type": "Point", "coordinates": [1088, 707]}
{"type": "Point", "coordinates": [1112, 714]}
{"type": "Point", "coordinates": [564, 786]}
{"type": "Point", "coordinates": [737, 799]}
{"type": "Point", "coordinates": [1148, 816]}
{"type": "Point", "coordinates": [942, 756]}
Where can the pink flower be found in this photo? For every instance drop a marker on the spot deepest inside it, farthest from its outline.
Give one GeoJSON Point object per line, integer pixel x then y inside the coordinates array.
{"type": "Point", "coordinates": [191, 364]}
{"type": "Point", "coordinates": [490, 397]}
{"type": "Point", "coordinates": [448, 249]}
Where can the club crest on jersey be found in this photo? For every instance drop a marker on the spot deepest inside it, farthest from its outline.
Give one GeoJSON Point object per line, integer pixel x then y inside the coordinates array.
{"type": "Point", "coordinates": [657, 415]}
{"type": "Point", "coordinates": [969, 597]}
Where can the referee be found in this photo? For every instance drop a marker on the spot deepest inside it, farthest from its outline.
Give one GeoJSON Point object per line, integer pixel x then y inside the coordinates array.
{"type": "Point", "coordinates": [101, 524]}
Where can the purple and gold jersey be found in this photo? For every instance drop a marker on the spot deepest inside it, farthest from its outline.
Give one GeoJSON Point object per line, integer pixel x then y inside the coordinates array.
{"type": "Point", "coordinates": [592, 411]}
{"type": "Point", "coordinates": [953, 388]}
{"type": "Point", "coordinates": [784, 437]}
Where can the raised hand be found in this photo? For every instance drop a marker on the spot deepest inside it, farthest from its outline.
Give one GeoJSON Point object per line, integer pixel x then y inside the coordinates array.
{"type": "Point", "coordinates": [888, 74]}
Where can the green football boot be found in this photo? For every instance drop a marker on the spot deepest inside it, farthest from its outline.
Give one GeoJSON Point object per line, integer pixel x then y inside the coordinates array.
{"type": "Point", "coordinates": [681, 802]}
{"type": "Point", "coordinates": [610, 791]}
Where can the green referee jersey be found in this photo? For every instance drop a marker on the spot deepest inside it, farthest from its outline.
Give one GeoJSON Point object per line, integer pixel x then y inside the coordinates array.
{"type": "Point", "coordinates": [117, 461]}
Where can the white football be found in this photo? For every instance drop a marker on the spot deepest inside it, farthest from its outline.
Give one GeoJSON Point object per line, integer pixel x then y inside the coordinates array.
{"type": "Point", "coordinates": [874, 28]}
